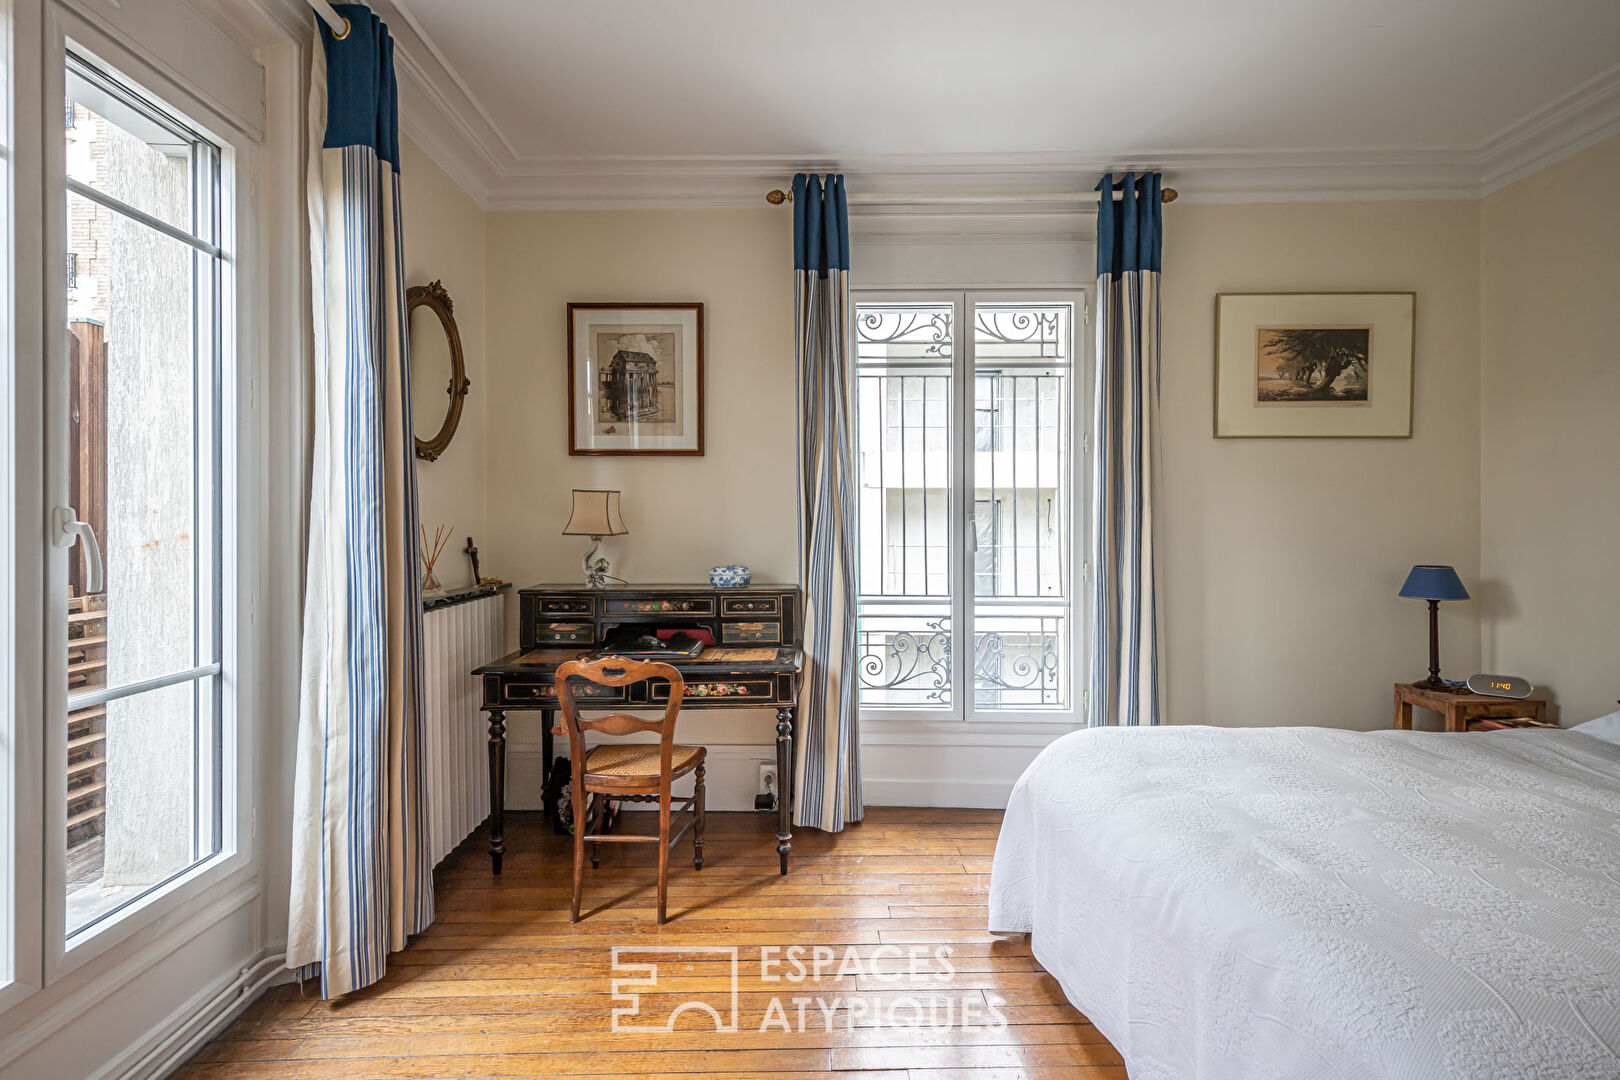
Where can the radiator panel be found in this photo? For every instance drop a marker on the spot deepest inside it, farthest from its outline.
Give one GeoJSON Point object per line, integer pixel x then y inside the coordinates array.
{"type": "Point", "coordinates": [457, 639]}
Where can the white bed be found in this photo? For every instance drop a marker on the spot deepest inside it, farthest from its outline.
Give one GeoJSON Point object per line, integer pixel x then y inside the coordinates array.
{"type": "Point", "coordinates": [1303, 902]}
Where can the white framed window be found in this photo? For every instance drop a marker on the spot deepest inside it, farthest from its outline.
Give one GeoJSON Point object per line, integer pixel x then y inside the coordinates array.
{"type": "Point", "coordinates": [968, 423]}
{"type": "Point", "coordinates": [131, 392]}
{"type": "Point", "coordinates": [136, 434]}
{"type": "Point", "coordinates": [19, 850]}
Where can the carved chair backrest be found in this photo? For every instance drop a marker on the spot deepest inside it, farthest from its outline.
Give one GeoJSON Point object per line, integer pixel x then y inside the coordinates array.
{"type": "Point", "coordinates": [618, 671]}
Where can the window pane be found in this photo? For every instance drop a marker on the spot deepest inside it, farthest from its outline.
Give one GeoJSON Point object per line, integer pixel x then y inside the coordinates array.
{"type": "Point", "coordinates": [133, 469]}
{"type": "Point", "coordinates": [143, 781]}
{"type": "Point", "coordinates": [118, 148]}
{"type": "Point", "coordinates": [142, 420]}
{"type": "Point", "coordinates": [1022, 504]}
{"type": "Point", "coordinates": [905, 356]}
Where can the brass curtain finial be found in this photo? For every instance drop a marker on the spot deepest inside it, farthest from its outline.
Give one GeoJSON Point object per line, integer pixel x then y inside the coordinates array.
{"type": "Point", "coordinates": [1168, 194]}
{"type": "Point", "coordinates": [778, 197]}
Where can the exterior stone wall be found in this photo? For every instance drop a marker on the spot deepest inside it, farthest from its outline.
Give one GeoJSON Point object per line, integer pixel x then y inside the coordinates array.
{"type": "Point", "coordinates": [139, 283]}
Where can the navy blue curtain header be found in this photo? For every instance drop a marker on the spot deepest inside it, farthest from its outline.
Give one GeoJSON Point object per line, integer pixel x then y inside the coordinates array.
{"type": "Point", "coordinates": [820, 224]}
{"type": "Point", "coordinates": [362, 99]}
{"type": "Point", "coordinates": [1130, 232]}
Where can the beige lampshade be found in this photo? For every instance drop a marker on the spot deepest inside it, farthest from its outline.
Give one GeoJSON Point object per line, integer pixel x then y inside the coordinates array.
{"type": "Point", "coordinates": [596, 513]}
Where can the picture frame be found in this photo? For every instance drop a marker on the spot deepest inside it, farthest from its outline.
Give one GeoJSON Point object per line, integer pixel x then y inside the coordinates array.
{"type": "Point", "coordinates": [1314, 365]}
{"type": "Point", "coordinates": [635, 379]}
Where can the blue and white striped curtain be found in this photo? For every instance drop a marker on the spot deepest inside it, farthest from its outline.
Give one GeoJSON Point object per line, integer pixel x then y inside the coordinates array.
{"type": "Point", "coordinates": [827, 762]}
{"type": "Point", "coordinates": [361, 879]}
{"type": "Point", "coordinates": [1126, 685]}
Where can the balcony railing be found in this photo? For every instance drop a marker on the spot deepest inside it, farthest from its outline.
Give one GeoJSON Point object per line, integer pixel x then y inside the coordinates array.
{"type": "Point", "coordinates": [905, 652]}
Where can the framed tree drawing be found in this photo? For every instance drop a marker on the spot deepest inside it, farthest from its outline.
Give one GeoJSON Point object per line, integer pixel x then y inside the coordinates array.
{"type": "Point", "coordinates": [1313, 365]}
{"type": "Point", "coordinates": [635, 378]}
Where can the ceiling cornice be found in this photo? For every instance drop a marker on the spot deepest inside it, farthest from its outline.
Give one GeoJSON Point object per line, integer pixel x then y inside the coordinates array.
{"type": "Point", "coordinates": [439, 111]}
{"type": "Point", "coordinates": [1583, 117]}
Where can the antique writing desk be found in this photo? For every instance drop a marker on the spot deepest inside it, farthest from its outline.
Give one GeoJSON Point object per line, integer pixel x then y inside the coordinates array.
{"type": "Point", "coordinates": [755, 663]}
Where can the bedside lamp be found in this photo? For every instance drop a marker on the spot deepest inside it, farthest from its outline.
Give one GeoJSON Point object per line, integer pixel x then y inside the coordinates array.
{"type": "Point", "coordinates": [596, 514]}
{"type": "Point", "coordinates": [1434, 584]}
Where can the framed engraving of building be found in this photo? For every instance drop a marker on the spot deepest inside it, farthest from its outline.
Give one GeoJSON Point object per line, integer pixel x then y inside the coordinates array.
{"type": "Point", "coordinates": [635, 378]}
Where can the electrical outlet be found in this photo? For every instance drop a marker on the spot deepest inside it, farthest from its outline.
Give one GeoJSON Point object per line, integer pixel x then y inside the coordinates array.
{"type": "Point", "coordinates": [767, 778]}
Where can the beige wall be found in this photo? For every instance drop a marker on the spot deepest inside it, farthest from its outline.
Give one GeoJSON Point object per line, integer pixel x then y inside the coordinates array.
{"type": "Point", "coordinates": [445, 240]}
{"type": "Point", "coordinates": [685, 514]}
{"type": "Point", "coordinates": [1550, 443]}
{"type": "Point", "coordinates": [1282, 557]}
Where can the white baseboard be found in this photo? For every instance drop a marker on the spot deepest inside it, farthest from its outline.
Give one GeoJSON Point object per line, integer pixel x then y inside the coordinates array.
{"type": "Point", "coordinates": [173, 1040]}
{"type": "Point", "coordinates": [914, 791]}
{"type": "Point", "coordinates": [925, 769]}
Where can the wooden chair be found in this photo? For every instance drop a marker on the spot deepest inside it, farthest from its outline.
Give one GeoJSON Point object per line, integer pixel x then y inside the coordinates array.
{"type": "Point", "coordinates": [634, 772]}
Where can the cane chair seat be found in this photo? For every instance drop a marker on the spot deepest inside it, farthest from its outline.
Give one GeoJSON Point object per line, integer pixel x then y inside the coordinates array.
{"type": "Point", "coordinates": [625, 761]}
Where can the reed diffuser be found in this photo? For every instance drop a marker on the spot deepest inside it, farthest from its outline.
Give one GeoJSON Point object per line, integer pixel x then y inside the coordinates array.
{"type": "Point", "coordinates": [430, 552]}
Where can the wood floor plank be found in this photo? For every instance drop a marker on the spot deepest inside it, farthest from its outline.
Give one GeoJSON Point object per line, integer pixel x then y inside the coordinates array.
{"type": "Point", "coordinates": [503, 985]}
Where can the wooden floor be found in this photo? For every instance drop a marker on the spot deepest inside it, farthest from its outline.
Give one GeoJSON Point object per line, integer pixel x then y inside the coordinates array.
{"type": "Point", "coordinates": [502, 984]}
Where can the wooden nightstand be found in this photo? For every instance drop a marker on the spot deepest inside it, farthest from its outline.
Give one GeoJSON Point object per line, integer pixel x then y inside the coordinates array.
{"type": "Point", "coordinates": [1460, 708]}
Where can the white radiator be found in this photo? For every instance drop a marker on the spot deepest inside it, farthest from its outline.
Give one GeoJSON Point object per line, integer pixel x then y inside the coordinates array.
{"type": "Point", "coordinates": [457, 639]}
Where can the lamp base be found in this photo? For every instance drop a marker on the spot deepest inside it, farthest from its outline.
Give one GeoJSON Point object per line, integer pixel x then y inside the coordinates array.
{"type": "Point", "coordinates": [1433, 682]}
{"type": "Point", "coordinates": [596, 568]}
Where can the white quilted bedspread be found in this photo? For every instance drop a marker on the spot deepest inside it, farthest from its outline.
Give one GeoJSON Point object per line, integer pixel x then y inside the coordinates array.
{"type": "Point", "coordinates": [1304, 902]}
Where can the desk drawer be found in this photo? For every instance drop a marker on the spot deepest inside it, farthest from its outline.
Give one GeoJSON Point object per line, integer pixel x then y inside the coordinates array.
{"type": "Point", "coordinates": [567, 605]}
{"type": "Point", "coordinates": [733, 606]}
{"type": "Point", "coordinates": [689, 605]}
{"type": "Point", "coordinates": [564, 633]}
{"type": "Point", "coordinates": [544, 694]}
{"type": "Point", "coordinates": [751, 633]}
{"type": "Point", "coordinates": [741, 688]}
{"type": "Point", "coordinates": [529, 694]}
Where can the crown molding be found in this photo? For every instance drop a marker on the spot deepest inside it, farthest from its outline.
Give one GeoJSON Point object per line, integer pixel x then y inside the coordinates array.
{"type": "Point", "coordinates": [1584, 117]}
{"type": "Point", "coordinates": [439, 112]}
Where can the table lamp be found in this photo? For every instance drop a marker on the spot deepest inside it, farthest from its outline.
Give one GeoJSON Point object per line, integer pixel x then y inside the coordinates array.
{"type": "Point", "coordinates": [1434, 584]}
{"type": "Point", "coordinates": [596, 514]}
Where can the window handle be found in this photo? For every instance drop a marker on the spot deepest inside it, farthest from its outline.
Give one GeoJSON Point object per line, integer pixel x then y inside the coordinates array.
{"type": "Point", "coordinates": [68, 531]}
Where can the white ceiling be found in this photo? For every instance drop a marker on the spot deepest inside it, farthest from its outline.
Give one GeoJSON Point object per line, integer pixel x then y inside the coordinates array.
{"type": "Point", "coordinates": [574, 102]}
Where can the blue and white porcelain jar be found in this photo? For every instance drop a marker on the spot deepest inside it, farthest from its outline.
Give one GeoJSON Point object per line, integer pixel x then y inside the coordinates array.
{"type": "Point", "coordinates": [735, 576]}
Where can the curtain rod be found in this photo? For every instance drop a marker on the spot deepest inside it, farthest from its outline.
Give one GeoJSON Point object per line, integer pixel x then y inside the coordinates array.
{"type": "Point", "coordinates": [329, 16]}
{"type": "Point", "coordinates": [778, 197]}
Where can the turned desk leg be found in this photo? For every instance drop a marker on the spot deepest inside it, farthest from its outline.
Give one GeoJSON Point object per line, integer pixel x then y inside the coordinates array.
{"type": "Point", "coordinates": [497, 787]}
{"type": "Point", "coordinates": [784, 784]}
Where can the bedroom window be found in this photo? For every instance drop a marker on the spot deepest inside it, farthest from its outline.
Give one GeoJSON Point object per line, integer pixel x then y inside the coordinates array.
{"type": "Point", "coordinates": [142, 425]}
{"type": "Point", "coordinates": [967, 504]}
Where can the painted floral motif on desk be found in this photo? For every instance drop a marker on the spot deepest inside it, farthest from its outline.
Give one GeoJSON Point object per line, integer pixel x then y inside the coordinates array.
{"type": "Point", "coordinates": [715, 689]}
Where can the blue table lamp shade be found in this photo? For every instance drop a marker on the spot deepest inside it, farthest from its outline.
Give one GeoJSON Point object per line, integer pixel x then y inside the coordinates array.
{"type": "Point", "coordinates": [1434, 584]}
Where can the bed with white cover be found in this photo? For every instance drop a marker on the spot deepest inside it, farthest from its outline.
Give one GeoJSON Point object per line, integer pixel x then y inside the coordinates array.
{"type": "Point", "coordinates": [1280, 903]}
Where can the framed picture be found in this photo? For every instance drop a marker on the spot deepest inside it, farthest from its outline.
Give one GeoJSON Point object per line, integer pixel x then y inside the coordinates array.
{"type": "Point", "coordinates": [635, 379]}
{"type": "Point", "coordinates": [1313, 365]}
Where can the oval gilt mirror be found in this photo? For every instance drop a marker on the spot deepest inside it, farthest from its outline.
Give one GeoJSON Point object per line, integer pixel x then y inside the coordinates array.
{"type": "Point", "coordinates": [438, 374]}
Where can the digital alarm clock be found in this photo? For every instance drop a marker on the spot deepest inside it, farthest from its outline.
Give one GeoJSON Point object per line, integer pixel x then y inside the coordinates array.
{"type": "Point", "coordinates": [1508, 686]}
